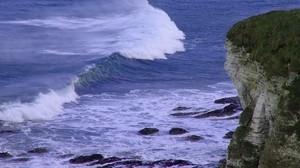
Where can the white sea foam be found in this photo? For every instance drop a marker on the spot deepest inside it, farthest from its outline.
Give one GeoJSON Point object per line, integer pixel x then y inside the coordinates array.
{"type": "Point", "coordinates": [44, 107]}
{"type": "Point", "coordinates": [143, 33]}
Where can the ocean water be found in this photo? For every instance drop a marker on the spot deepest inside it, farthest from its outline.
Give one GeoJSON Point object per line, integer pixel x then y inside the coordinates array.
{"type": "Point", "coordinates": [82, 77]}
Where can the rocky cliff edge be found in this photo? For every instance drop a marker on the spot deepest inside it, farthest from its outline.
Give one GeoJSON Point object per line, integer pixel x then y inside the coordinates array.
{"type": "Point", "coordinates": [263, 61]}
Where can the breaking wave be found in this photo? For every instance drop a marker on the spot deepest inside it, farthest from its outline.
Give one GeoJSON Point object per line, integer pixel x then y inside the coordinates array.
{"type": "Point", "coordinates": [143, 33]}
{"type": "Point", "coordinates": [134, 29]}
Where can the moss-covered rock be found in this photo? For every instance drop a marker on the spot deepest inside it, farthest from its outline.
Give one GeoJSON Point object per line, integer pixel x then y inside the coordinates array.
{"type": "Point", "coordinates": [272, 39]}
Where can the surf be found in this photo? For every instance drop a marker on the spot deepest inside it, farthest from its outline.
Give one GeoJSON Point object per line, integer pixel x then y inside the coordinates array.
{"type": "Point", "coordinates": [135, 30]}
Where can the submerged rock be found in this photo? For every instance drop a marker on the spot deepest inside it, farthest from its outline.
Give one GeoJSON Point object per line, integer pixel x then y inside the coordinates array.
{"type": "Point", "coordinates": [22, 159]}
{"type": "Point", "coordinates": [4, 131]}
{"type": "Point", "coordinates": [183, 114]}
{"type": "Point", "coordinates": [106, 161]}
{"type": "Point", "coordinates": [148, 131]}
{"type": "Point", "coordinates": [194, 138]}
{"type": "Point", "coordinates": [139, 163]}
{"type": "Point", "coordinates": [5, 155]}
{"type": "Point", "coordinates": [65, 156]}
{"type": "Point", "coordinates": [177, 131]}
{"type": "Point", "coordinates": [181, 108]}
{"type": "Point", "coordinates": [86, 159]}
{"type": "Point", "coordinates": [170, 163]}
{"type": "Point", "coordinates": [39, 150]}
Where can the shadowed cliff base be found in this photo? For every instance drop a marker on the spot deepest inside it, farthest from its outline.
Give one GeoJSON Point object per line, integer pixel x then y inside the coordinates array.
{"type": "Point", "coordinates": [263, 58]}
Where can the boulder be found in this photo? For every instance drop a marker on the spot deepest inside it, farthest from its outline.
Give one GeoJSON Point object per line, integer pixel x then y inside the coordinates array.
{"type": "Point", "coordinates": [39, 150]}
{"type": "Point", "coordinates": [177, 131]}
{"type": "Point", "coordinates": [193, 138]}
{"type": "Point", "coordinates": [5, 155]}
{"type": "Point", "coordinates": [181, 108]}
{"type": "Point", "coordinates": [148, 131]}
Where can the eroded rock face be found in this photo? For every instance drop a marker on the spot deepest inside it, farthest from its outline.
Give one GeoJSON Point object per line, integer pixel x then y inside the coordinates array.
{"type": "Point", "coordinates": [269, 131]}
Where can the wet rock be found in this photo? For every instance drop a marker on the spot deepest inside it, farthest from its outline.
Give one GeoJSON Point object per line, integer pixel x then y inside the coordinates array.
{"type": "Point", "coordinates": [5, 155]}
{"type": "Point", "coordinates": [9, 131]}
{"type": "Point", "coordinates": [86, 159]}
{"type": "Point", "coordinates": [23, 159]}
{"type": "Point", "coordinates": [180, 114]}
{"type": "Point", "coordinates": [193, 138]}
{"type": "Point", "coordinates": [228, 135]}
{"type": "Point", "coordinates": [226, 111]}
{"type": "Point", "coordinates": [39, 150]}
{"type": "Point", "coordinates": [228, 100]}
{"type": "Point", "coordinates": [139, 163]}
{"type": "Point", "coordinates": [177, 131]}
{"type": "Point", "coordinates": [125, 164]}
{"type": "Point", "coordinates": [148, 131]}
{"type": "Point", "coordinates": [181, 108]}
{"type": "Point", "coordinates": [222, 163]}
{"type": "Point", "coordinates": [171, 162]}
{"type": "Point", "coordinates": [106, 161]}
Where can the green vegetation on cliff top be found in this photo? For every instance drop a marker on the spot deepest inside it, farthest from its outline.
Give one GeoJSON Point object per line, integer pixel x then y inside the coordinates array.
{"type": "Point", "coordinates": [272, 39]}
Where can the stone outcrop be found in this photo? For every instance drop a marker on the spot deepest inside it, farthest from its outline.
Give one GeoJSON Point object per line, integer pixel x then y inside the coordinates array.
{"type": "Point", "coordinates": [268, 135]}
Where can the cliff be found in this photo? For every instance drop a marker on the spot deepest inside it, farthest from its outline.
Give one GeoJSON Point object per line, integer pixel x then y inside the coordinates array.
{"type": "Point", "coordinates": [263, 61]}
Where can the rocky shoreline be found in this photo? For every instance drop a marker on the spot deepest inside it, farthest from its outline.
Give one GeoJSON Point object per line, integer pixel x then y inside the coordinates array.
{"type": "Point", "coordinates": [232, 107]}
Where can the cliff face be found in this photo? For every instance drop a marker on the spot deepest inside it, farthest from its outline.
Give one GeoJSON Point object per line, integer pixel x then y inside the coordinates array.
{"type": "Point", "coordinates": [268, 135]}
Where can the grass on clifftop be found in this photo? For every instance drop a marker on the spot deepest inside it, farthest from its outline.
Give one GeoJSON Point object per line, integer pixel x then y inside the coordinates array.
{"type": "Point", "coordinates": [272, 39]}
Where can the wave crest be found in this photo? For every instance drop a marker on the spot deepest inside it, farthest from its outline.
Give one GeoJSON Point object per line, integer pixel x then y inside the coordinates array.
{"type": "Point", "coordinates": [44, 107]}
{"type": "Point", "coordinates": [144, 32]}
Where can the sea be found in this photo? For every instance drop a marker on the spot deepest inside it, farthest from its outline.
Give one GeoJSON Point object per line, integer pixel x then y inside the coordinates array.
{"type": "Point", "coordinates": [84, 76]}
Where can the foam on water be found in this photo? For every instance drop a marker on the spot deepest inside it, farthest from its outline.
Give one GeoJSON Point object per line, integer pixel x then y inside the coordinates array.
{"type": "Point", "coordinates": [108, 124]}
{"type": "Point", "coordinates": [144, 33]}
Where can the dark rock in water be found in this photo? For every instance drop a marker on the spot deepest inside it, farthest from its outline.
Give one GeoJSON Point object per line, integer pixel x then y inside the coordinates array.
{"type": "Point", "coordinates": [85, 159]}
{"type": "Point", "coordinates": [227, 100]}
{"type": "Point", "coordinates": [181, 108]}
{"type": "Point", "coordinates": [106, 161]}
{"type": "Point", "coordinates": [21, 160]}
{"type": "Point", "coordinates": [139, 163]}
{"type": "Point", "coordinates": [8, 131]}
{"type": "Point", "coordinates": [125, 164]}
{"type": "Point", "coordinates": [5, 155]}
{"type": "Point", "coordinates": [194, 138]}
{"type": "Point", "coordinates": [226, 111]}
{"type": "Point", "coordinates": [170, 163]}
{"type": "Point", "coordinates": [177, 131]}
{"type": "Point", "coordinates": [39, 150]}
{"type": "Point", "coordinates": [228, 135]}
{"type": "Point", "coordinates": [148, 131]}
{"type": "Point", "coordinates": [222, 163]}
{"type": "Point", "coordinates": [65, 156]}
{"type": "Point", "coordinates": [180, 114]}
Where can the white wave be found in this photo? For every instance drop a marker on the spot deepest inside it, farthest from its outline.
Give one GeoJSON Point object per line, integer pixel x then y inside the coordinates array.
{"type": "Point", "coordinates": [143, 33]}
{"type": "Point", "coordinates": [54, 52]}
{"type": "Point", "coordinates": [44, 107]}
